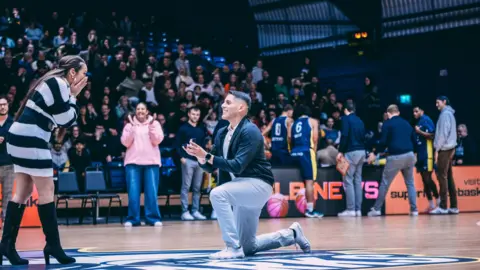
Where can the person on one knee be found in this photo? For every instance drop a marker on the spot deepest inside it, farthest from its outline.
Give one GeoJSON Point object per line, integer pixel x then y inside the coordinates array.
{"type": "Point", "coordinates": [50, 102]}
{"type": "Point", "coordinates": [399, 137]}
{"type": "Point", "coordinates": [352, 147]}
{"type": "Point", "coordinates": [7, 174]}
{"type": "Point", "coordinates": [425, 131]}
{"type": "Point", "coordinates": [192, 174]}
{"type": "Point", "coordinates": [444, 144]}
{"type": "Point", "coordinates": [247, 184]}
{"type": "Point", "coordinates": [141, 136]}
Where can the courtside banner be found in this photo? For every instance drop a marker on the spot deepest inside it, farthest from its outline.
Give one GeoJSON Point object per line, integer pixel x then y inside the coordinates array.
{"type": "Point", "coordinates": [467, 182]}
{"type": "Point", "coordinates": [289, 200]}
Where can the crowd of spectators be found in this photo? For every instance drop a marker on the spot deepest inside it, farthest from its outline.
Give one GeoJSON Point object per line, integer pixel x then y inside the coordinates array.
{"type": "Point", "coordinates": [124, 69]}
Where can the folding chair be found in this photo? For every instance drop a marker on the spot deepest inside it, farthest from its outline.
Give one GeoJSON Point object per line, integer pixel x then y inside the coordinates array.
{"type": "Point", "coordinates": [68, 190]}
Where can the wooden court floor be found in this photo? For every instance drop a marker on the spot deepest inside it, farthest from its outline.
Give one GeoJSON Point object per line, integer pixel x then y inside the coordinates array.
{"type": "Point", "coordinates": [442, 236]}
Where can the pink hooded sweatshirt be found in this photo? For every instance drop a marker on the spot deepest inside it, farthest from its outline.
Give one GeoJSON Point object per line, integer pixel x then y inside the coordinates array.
{"type": "Point", "coordinates": [141, 141]}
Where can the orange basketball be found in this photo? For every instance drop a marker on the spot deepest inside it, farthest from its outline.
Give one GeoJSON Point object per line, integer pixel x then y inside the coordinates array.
{"type": "Point", "coordinates": [277, 205]}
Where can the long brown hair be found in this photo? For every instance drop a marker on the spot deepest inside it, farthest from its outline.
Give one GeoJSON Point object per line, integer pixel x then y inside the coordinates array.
{"type": "Point", "coordinates": [64, 65]}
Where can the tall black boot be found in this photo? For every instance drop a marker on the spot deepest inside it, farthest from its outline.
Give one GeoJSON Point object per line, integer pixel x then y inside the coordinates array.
{"type": "Point", "coordinates": [11, 226]}
{"type": "Point", "coordinates": [48, 217]}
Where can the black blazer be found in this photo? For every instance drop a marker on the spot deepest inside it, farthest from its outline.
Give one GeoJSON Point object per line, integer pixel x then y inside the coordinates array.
{"type": "Point", "coordinates": [246, 155]}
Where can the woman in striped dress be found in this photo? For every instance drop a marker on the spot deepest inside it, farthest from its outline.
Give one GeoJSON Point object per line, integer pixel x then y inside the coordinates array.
{"type": "Point", "coordinates": [49, 103]}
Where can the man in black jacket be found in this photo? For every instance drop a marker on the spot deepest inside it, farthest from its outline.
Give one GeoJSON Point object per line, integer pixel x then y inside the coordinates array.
{"type": "Point", "coordinates": [7, 174]}
{"type": "Point", "coordinates": [247, 181]}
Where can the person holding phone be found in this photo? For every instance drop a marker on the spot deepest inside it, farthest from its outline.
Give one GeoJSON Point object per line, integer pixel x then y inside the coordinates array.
{"type": "Point", "coordinates": [192, 174]}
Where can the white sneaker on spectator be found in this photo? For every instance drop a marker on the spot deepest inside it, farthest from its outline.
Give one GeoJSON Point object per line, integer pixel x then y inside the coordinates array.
{"type": "Point", "coordinates": [358, 213]}
{"type": "Point", "coordinates": [214, 215]}
{"type": "Point", "coordinates": [454, 211]}
{"type": "Point", "coordinates": [347, 213]}
{"type": "Point", "coordinates": [439, 211]}
{"type": "Point", "coordinates": [187, 216]}
{"type": "Point", "coordinates": [414, 213]}
{"type": "Point", "coordinates": [228, 253]}
{"type": "Point", "coordinates": [374, 213]}
{"type": "Point", "coordinates": [158, 224]}
{"type": "Point", "coordinates": [128, 224]}
{"type": "Point", "coordinates": [199, 216]}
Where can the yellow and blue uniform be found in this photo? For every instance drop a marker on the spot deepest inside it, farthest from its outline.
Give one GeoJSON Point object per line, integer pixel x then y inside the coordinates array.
{"type": "Point", "coordinates": [303, 146]}
{"type": "Point", "coordinates": [424, 146]}
{"type": "Point", "coordinates": [280, 148]}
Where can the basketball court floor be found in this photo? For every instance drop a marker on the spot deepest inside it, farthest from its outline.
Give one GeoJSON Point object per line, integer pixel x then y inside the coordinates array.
{"type": "Point", "coordinates": [423, 242]}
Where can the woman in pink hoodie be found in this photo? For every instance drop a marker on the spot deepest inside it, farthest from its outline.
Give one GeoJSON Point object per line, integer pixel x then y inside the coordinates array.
{"type": "Point", "coordinates": [141, 136]}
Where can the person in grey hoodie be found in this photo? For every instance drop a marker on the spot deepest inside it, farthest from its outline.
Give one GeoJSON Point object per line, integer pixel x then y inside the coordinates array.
{"type": "Point", "coordinates": [444, 144]}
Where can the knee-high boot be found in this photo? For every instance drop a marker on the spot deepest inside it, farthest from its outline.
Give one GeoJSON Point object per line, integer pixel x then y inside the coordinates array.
{"type": "Point", "coordinates": [53, 247]}
{"type": "Point", "coordinates": [13, 218]}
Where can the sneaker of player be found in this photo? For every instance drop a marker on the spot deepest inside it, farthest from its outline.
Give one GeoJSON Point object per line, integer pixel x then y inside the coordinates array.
{"type": "Point", "coordinates": [453, 211]}
{"type": "Point", "coordinates": [228, 253]}
{"type": "Point", "coordinates": [439, 211]}
{"type": "Point", "coordinates": [158, 224]}
{"type": "Point", "coordinates": [128, 224]}
{"type": "Point", "coordinates": [347, 213]}
{"type": "Point", "coordinates": [300, 238]}
{"type": "Point", "coordinates": [198, 216]}
{"type": "Point", "coordinates": [187, 216]}
{"type": "Point", "coordinates": [414, 213]}
{"type": "Point", "coordinates": [313, 214]}
{"type": "Point", "coordinates": [213, 215]}
{"type": "Point", "coordinates": [358, 213]}
{"type": "Point", "coordinates": [374, 213]}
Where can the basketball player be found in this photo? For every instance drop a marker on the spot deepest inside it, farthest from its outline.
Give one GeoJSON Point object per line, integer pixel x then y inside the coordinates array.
{"type": "Point", "coordinates": [247, 181]}
{"type": "Point", "coordinates": [280, 137]}
{"type": "Point", "coordinates": [304, 146]}
{"type": "Point", "coordinates": [425, 129]}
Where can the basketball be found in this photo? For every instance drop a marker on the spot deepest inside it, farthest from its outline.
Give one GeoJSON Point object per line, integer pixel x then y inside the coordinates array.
{"type": "Point", "coordinates": [301, 201]}
{"type": "Point", "coordinates": [277, 205]}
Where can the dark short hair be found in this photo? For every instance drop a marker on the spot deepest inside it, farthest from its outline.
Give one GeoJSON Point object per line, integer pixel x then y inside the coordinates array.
{"type": "Point", "coordinates": [287, 108]}
{"type": "Point", "coordinates": [444, 98]}
{"type": "Point", "coordinates": [194, 108]}
{"type": "Point", "coordinates": [302, 110]}
{"type": "Point", "coordinates": [418, 106]}
{"type": "Point", "coordinates": [243, 96]}
{"type": "Point", "coordinates": [349, 106]}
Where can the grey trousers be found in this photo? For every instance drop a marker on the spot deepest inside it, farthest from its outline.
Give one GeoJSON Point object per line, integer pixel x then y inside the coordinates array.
{"type": "Point", "coordinates": [7, 176]}
{"type": "Point", "coordinates": [247, 196]}
{"type": "Point", "coordinates": [352, 182]}
{"type": "Point", "coordinates": [404, 163]}
{"type": "Point", "coordinates": [192, 176]}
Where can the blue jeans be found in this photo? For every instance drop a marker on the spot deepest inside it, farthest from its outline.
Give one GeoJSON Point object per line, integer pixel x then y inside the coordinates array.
{"type": "Point", "coordinates": [150, 174]}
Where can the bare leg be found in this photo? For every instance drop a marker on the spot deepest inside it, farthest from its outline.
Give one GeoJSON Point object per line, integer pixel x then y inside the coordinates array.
{"type": "Point", "coordinates": [23, 189]}
{"type": "Point", "coordinates": [48, 217]}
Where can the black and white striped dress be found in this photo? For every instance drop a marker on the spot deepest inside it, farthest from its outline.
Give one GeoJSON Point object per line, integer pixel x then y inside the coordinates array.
{"type": "Point", "coordinates": [27, 143]}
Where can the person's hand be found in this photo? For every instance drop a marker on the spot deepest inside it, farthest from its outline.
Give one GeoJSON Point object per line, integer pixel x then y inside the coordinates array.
{"type": "Point", "coordinates": [459, 161]}
{"type": "Point", "coordinates": [183, 160]}
{"type": "Point", "coordinates": [153, 119]}
{"type": "Point", "coordinates": [130, 120]}
{"type": "Point", "coordinates": [436, 157]}
{"type": "Point", "coordinates": [371, 158]}
{"type": "Point", "coordinates": [195, 150]}
{"type": "Point", "coordinates": [339, 156]}
{"type": "Point", "coordinates": [417, 129]}
{"type": "Point", "coordinates": [76, 87]}
{"type": "Point", "coordinates": [2, 139]}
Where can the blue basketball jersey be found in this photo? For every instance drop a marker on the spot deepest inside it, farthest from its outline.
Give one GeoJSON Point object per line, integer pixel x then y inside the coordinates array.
{"type": "Point", "coordinates": [302, 137]}
{"type": "Point", "coordinates": [279, 134]}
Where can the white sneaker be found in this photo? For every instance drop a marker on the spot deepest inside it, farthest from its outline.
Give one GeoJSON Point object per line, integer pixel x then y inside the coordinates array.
{"type": "Point", "coordinates": [128, 224]}
{"type": "Point", "coordinates": [453, 211]}
{"type": "Point", "coordinates": [347, 213]}
{"type": "Point", "coordinates": [214, 215]}
{"type": "Point", "coordinates": [158, 224]}
{"type": "Point", "coordinates": [199, 216]}
{"type": "Point", "coordinates": [187, 216]}
{"type": "Point", "coordinates": [374, 213]}
{"type": "Point", "coordinates": [439, 211]}
{"type": "Point", "coordinates": [228, 253]}
{"type": "Point", "coordinates": [414, 213]}
{"type": "Point", "coordinates": [300, 238]}
{"type": "Point", "coordinates": [358, 213]}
